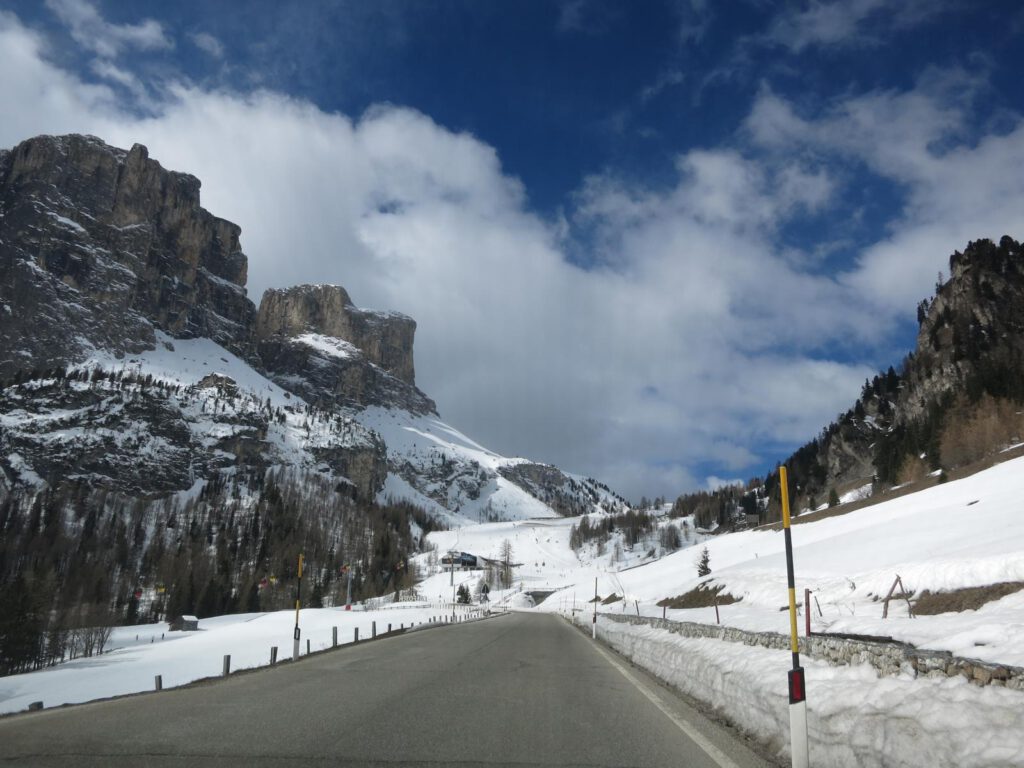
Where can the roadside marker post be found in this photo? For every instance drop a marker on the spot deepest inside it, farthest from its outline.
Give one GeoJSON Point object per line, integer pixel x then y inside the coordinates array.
{"type": "Point", "coordinates": [807, 613]}
{"type": "Point", "coordinates": [595, 609]}
{"type": "Point", "coordinates": [797, 687]}
{"type": "Point", "coordinates": [298, 605]}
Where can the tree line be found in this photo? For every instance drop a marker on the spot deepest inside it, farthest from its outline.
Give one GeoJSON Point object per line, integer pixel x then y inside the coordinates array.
{"type": "Point", "coordinates": [76, 559]}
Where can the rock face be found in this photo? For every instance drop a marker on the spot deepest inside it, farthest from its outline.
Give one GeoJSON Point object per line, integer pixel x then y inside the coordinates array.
{"type": "Point", "coordinates": [562, 493]}
{"type": "Point", "coordinates": [384, 338]}
{"type": "Point", "coordinates": [99, 246]}
{"type": "Point", "coordinates": [970, 345]}
{"type": "Point", "coordinates": [312, 339]}
{"type": "Point", "coordinates": [971, 336]}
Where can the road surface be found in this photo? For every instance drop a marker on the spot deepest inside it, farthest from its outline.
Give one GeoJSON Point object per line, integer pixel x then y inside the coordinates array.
{"type": "Point", "coordinates": [518, 690]}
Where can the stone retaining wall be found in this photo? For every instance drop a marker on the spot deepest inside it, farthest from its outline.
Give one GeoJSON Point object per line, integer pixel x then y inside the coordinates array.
{"type": "Point", "coordinates": [888, 658]}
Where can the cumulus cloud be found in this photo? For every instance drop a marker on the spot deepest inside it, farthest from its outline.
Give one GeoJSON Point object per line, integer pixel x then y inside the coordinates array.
{"type": "Point", "coordinates": [634, 371]}
{"type": "Point", "coordinates": [681, 346]}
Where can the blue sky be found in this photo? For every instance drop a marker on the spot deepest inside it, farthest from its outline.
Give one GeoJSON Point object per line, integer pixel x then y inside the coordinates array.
{"type": "Point", "coordinates": [657, 243]}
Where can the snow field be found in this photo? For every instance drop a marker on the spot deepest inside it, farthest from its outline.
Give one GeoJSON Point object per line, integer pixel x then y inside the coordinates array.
{"type": "Point", "coordinates": [182, 657]}
{"type": "Point", "coordinates": [855, 718]}
{"type": "Point", "coordinates": [967, 533]}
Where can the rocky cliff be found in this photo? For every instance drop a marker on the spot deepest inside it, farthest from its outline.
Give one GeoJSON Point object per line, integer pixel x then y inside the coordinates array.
{"type": "Point", "coordinates": [313, 339]}
{"type": "Point", "coordinates": [99, 246]}
{"type": "Point", "coordinates": [971, 336]}
{"type": "Point", "coordinates": [384, 338]}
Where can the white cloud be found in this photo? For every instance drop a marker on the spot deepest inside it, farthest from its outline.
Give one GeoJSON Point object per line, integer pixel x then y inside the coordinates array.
{"type": "Point", "coordinates": [208, 44]}
{"type": "Point", "coordinates": [958, 185]}
{"type": "Point", "coordinates": [837, 23]}
{"type": "Point", "coordinates": [50, 100]}
{"type": "Point", "coordinates": [106, 40]}
{"type": "Point", "coordinates": [713, 482]}
{"type": "Point", "coordinates": [665, 81]}
{"type": "Point", "coordinates": [685, 344]}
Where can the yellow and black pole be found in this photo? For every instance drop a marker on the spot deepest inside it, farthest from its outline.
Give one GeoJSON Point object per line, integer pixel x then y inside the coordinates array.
{"type": "Point", "coordinates": [797, 688]}
{"type": "Point", "coordinates": [298, 605]}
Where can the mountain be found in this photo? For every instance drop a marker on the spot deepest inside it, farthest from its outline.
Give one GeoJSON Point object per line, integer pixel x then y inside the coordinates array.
{"type": "Point", "coordinates": [111, 266]}
{"type": "Point", "coordinates": [953, 401]}
{"type": "Point", "coordinates": [157, 428]}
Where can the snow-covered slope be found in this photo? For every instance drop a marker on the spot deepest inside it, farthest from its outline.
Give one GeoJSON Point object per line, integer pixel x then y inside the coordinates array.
{"type": "Point", "coordinates": [189, 404]}
{"type": "Point", "coordinates": [967, 533]}
{"type": "Point", "coordinates": [459, 481]}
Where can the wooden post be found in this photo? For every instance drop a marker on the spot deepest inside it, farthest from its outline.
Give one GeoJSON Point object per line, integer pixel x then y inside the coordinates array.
{"type": "Point", "coordinates": [807, 612]}
{"type": "Point", "coordinates": [888, 597]}
{"type": "Point", "coordinates": [273, 655]}
{"type": "Point", "coordinates": [373, 629]}
{"type": "Point", "coordinates": [308, 651]}
{"type": "Point", "coordinates": [389, 628]}
{"type": "Point", "coordinates": [159, 680]}
{"type": "Point", "coordinates": [356, 636]}
{"type": "Point", "coordinates": [717, 620]}
{"type": "Point", "coordinates": [334, 637]}
{"type": "Point", "coordinates": [664, 609]}
{"type": "Point", "coordinates": [227, 664]}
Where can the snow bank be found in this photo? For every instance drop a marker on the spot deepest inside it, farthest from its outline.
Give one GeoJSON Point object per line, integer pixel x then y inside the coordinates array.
{"type": "Point", "coordinates": [855, 718]}
{"type": "Point", "coordinates": [144, 651]}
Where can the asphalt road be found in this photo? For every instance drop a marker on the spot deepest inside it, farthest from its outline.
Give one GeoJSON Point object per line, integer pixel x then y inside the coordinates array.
{"type": "Point", "coordinates": [518, 690]}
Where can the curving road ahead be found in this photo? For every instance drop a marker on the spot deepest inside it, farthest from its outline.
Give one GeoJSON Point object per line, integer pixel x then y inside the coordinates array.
{"type": "Point", "coordinates": [518, 690]}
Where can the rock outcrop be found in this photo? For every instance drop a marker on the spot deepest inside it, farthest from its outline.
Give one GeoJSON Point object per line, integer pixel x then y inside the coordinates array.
{"type": "Point", "coordinates": [384, 338]}
{"type": "Point", "coordinates": [971, 335]}
{"type": "Point", "coordinates": [313, 340]}
{"type": "Point", "coordinates": [98, 246]}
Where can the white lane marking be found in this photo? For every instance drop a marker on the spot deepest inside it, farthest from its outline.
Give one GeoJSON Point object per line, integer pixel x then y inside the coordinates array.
{"type": "Point", "coordinates": [695, 736]}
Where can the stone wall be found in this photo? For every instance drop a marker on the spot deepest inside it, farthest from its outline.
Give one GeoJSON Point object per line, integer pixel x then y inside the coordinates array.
{"type": "Point", "coordinates": [888, 658]}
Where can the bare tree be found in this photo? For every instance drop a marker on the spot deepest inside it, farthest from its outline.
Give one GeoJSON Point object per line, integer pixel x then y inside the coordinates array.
{"type": "Point", "coordinates": [505, 555]}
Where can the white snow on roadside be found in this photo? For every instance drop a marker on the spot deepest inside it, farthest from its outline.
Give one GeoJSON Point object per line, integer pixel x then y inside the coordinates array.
{"type": "Point", "coordinates": [181, 657]}
{"type": "Point", "coordinates": [966, 533]}
{"type": "Point", "coordinates": [855, 718]}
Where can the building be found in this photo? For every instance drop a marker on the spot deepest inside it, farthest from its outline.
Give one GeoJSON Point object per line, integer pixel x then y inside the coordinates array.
{"type": "Point", "coordinates": [462, 560]}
